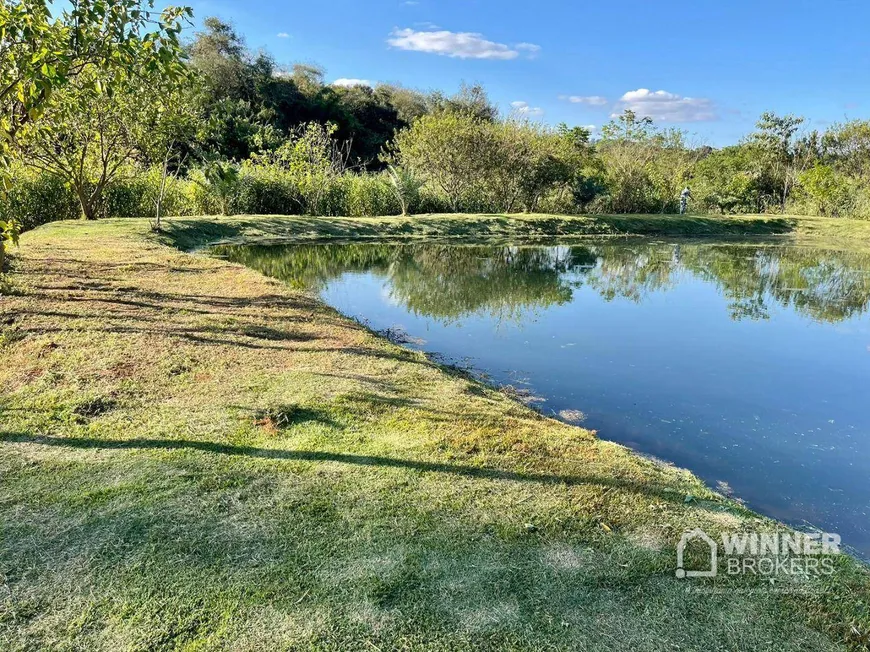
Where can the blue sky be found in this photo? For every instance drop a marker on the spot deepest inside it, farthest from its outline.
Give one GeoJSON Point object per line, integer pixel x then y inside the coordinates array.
{"type": "Point", "coordinates": [719, 64]}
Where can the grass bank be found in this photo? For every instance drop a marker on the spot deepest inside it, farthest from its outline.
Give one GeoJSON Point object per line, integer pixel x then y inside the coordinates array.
{"type": "Point", "coordinates": [191, 233]}
{"type": "Point", "coordinates": [194, 456]}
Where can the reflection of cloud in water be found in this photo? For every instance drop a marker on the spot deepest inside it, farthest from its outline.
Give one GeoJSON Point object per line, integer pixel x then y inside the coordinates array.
{"type": "Point", "coordinates": [388, 297]}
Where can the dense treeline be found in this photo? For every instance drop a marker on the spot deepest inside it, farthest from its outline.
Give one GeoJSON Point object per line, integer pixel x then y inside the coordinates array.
{"type": "Point", "coordinates": [234, 132]}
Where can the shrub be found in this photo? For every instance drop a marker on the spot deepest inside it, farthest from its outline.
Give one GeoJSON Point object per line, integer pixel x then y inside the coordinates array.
{"type": "Point", "coordinates": [135, 195]}
{"type": "Point", "coordinates": [37, 198]}
{"type": "Point", "coordinates": [266, 190]}
{"type": "Point", "coordinates": [824, 192]}
{"type": "Point", "coordinates": [369, 195]}
{"type": "Point", "coordinates": [269, 188]}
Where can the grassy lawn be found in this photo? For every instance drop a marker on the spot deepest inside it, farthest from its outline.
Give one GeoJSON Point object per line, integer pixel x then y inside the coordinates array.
{"type": "Point", "coordinates": [194, 456]}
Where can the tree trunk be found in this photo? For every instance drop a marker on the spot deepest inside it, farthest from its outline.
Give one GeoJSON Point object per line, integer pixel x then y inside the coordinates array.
{"type": "Point", "coordinates": [89, 211]}
{"type": "Point", "coordinates": [159, 201]}
{"type": "Point", "coordinates": [160, 192]}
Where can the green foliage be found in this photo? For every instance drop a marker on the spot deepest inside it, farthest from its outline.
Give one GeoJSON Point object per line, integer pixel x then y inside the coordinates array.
{"type": "Point", "coordinates": [9, 230]}
{"type": "Point", "coordinates": [221, 180]}
{"type": "Point", "coordinates": [42, 52]}
{"type": "Point", "coordinates": [375, 194]}
{"type": "Point", "coordinates": [829, 193]}
{"type": "Point", "coordinates": [529, 160]}
{"type": "Point", "coordinates": [130, 123]}
{"type": "Point", "coordinates": [254, 104]}
{"type": "Point", "coordinates": [266, 190]}
{"type": "Point", "coordinates": [405, 186]}
{"type": "Point", "coordinates": [450, 151]}
{"type": "Point", "coordinates": [847, 147]}
{"type": "Point", "coordinates": [36, 198]}
{"type": "Point", "coordinates": [80, 83]}
{"type": "Point", "coordinates": [725, 181]}
{"type": "Point", "coordinates": [780, 155]}
{"type": "Point", "coordinates": [488, 165]}
{"type": "Point", "coordinates": [136, 195]}
{"type": "Point", "coordinates": [644, 168]}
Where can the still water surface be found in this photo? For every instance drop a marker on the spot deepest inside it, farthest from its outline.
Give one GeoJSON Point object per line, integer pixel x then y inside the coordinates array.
{"type": "Point", "coordinates": [748, 364]}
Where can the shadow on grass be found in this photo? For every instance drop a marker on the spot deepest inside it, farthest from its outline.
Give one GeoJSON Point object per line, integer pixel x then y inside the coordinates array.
{"type": "Point", "coordinates": [696, 225]}
{"type": "Point", "coordinates": [188, 234]}
{"type": "Point", "coordinates": [647, 489]}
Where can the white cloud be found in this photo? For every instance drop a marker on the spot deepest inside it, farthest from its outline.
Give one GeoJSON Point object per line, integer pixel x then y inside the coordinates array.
{"type": "Point", "coordinates": [591, 100]}
{"type": "Point", "coordinates": [523, 108]}
{"type": "Point", "coordinates": [589, 127]}
{"type": "Point", "coordinates": [283, 35]}
{"type": "Point", "coordinates": [344, 82]}
{"type": "Point", "coordinates": [460, 45]}
{"type": "Point", "coordinates": [530, 49]}
{"type": "Point", "coordinates": [667, 107]}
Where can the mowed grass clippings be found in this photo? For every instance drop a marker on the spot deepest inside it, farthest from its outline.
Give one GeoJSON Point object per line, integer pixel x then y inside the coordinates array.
{"type": "Point", "coordinates": [194, 456]}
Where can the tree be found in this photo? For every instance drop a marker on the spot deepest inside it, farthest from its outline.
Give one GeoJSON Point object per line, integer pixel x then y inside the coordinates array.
{"type": "Point", "coordinates": [170, 122]}
{"type": "Point", "coordinates": [9, 229]}
{"type": "Point", "coordinates": [531, 160]}
{"type": "Point", "coordinates": [405, 186]}
{"type": "Point", "coordinates": [471, 100]}
{"type": "Point", "coordinates": [90, 137]}
{"type": "Point", "coordinates": [828, 190]}
{"type": "Point", "coordinates": [246, 94]}
{"type": "Point", "coordinates": [409, 104]}
{"type": "Point", "coordinates": [314, 159]}
{"type": "Point", "coordinates": [221, 57]}
{"type": "Point", "coordinates": [450, 150]}
{"type": "Point", "coordinates": [243, 94]}
{"type": "Point", "coordinates": [627, 149]}
{"type": "Point", "coordinates": [847, 147]}
{"type": "Point", "coordinates": [44, 54]}
{"type": "Point", "coordinates": [629, 127]}
{"type": "Point", "coordinates": [671, 167]}
{"type": "Point", "coordinates": [644, 167]}
{"type": "Point", "coordinates": [221, 180]}
{"type": "Point", "coordinates": [781, 153]}
{"type": "Point", "coordinates": [727, 181]}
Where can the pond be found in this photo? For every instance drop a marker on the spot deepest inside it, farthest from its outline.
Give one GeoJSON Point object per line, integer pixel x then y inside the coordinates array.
{"type": "Point", "coordinates": [747, 363]}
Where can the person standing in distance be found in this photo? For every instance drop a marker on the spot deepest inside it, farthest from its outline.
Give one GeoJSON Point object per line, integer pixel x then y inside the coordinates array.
{"type": "Point", "coordinates": [684, 200]}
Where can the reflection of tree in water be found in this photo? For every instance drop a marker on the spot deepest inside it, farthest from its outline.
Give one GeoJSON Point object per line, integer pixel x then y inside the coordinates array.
{"type": "Point", "coordinates": [446, 282]}
{"type": "Point", "coordinates": [311, 266]}
{"type": "Point", "coordinates": [823, 285]}
{"type": "Point", "coordinates": [632, 271]}
{"type": "Point", "coordinates": [449, 282]}
{"type": "Point", "coordinates": [504, 282]}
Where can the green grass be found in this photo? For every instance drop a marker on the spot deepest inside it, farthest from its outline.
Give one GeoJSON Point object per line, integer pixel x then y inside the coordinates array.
{"type": "Point", "coordinates": [196, 457]}
{"type": "Point", "coordinates": [189, 233]}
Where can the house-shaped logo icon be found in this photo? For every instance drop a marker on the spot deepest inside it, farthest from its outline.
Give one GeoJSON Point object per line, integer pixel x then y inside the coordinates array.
{"type": "Point", "coordinates": [687, 538]}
